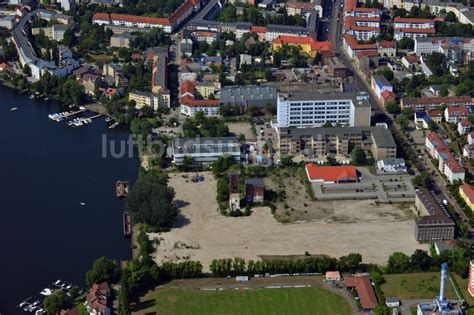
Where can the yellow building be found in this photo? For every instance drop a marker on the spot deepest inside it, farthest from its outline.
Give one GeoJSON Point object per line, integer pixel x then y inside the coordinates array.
{"type": "Point", "coordinates": [466, 192]}
{"type": "Point", "coordinates": [207, 88]}
{"type": "Point", "coordinates": [307, 44]}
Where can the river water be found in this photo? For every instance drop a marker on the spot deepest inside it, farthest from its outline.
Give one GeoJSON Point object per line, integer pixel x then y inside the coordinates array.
{"type": "Point", "coordinates": [46, 170]}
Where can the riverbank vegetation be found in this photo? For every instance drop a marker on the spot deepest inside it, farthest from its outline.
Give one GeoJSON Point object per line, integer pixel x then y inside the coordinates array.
{"type": "Point", "coordinates": [151, 200]}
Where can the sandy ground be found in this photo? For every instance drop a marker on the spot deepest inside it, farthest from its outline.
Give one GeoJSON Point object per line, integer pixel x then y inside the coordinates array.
{"type": "Point", "coordinates": [242, 127]}
{"type": "Point", "coordinates": [203, 234]}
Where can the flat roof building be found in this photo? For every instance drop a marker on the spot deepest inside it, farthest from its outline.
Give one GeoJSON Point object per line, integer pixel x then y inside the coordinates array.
{"type": "Point", "coordinates": [319, 142]}
{"type": "Point", "coordinates": [248, 95]}
{"type": "Point", "coordinates": [314, 109]}
{"type": "Point", "coordinates": [205, 150]}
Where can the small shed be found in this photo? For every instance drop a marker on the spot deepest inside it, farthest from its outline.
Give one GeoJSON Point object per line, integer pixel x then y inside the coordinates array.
{"type": "Point", "coordinates": [333, 276]}
{"type": "Point", "coordinates": [392, 302]}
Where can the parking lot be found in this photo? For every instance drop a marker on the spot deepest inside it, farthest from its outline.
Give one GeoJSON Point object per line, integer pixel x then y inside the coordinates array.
{"type": "Point", "coordinates": [383, 188]}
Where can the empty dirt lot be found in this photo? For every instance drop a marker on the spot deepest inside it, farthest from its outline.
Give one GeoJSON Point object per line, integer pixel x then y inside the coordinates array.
{"type": "Point", "coordinates": [202, 233]}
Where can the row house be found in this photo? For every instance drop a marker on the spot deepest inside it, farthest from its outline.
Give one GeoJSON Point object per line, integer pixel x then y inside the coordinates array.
{"type": "Point", "coordinates": [300, 8]}
{"type": "Point", "coordinates": [454, 114]}
{"type": "Point", "coordinates": [413, 28]}
{"type": "Point", "coordinates": [362, 28]}
{"type": "Point", "coordinates": [352, 47]}
{"type": "Point", "coordinates": [447, 163]}
{"type": "Point", "coordinates": [425, 103]}
{"type": "Point", "coordinates": [353, 10]}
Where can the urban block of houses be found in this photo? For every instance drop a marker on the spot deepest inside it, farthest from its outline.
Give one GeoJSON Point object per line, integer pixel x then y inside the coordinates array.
{"type": "Point", "coordinates": [307, 44]}
{"type": "Point", "coordinates": [456, 49]}
{"type": "Point", "coordinates": [190, 104]}
{"type": "Point", "coordinates": [294, 8]}
{"type": "Point", "coordinates": [319, 142]}
{"type": "Point", "coordinates": [352, 47]}
{"type": "Point", "coordinates": [123, 40]}
{"type": "Point", "coordinates": [454, 114]}
{"type": "Point", "coordinates": [413, 27]}
{"type": "Point", "coordinates": [204, 150]}
{"type": "Point", "coordinates": [464, 126]}
{"type": "Point", "coordinates": [331, 174]}
{"type": "Point", "coordinates": [466, 191]}
{"type": "Point", "coordinates": [425, 103]}
{"type": "Point", "coordinates": [362, 28]}
{"type": "Point", "coordinates": [447, 163]}
{"type": "Point", "coordinates": [380, 84]}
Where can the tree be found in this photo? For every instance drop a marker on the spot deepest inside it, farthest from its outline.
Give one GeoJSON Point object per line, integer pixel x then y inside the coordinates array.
{"type": "Point", "coordinates": [392, 107]}
{"type": "Point", "coordinates": [103, 269]}
{"type": "Point", "coordinates": [317, 59]}
{"type": "Point", "coordinates": [421, 261]}
{"type": "Point", "coordinates": [387, 73]}
{"type": "Point", "coordinates": [350, 262]}
{"type": "Point", "coordinates": [398, 263]}
{"type": "Point", "coordinates": [26, 70]}
{"type": "Point", "coordinates": [406, 43]}
{"type": "Point", "coordinates": [403, 121]}
{"type": "Point", "coordinates": [55, 302]}
{"type": "Point", "coordinates": [358, 155]}
{"type": "Point", "coordinates": [450, 17]}
{"type": "Point", "coordinates": [432, 125]}
{"type": "Point", "coordinates": [151, 200]}
{"type": "Point", "coordinates": [444, 90]}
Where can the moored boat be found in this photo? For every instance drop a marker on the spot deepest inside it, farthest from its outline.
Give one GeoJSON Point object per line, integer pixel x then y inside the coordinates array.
{"type": "Point", "coordinates": [122, 188]}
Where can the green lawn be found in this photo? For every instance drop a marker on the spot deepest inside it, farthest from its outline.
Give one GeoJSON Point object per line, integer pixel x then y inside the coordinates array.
{"type": "Point", "coordinates": [415, 286]}
{"type": "Point", "coordinates": [255, 301]}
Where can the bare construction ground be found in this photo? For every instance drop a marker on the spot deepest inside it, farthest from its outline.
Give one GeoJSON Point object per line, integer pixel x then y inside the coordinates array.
{"type": "Point", "coordinates": [342, 227]}
{"type": "Point", "coordinates": [244, 128]}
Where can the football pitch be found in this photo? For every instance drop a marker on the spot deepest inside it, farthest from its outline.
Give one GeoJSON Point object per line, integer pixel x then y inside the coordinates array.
{"type": "Point", "coordinates": [254, 301]}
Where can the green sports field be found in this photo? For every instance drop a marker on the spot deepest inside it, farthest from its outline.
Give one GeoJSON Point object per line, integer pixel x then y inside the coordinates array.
{"type": "Point", "coordinates": [255, 301]}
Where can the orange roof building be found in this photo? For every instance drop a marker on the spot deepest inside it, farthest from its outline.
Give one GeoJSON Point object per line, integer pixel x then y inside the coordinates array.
{"type": "Point", "coordinates": [363, 286]}
{"type": "Point", "coordinates": [307, 45]}
{"type": "Point", "coordinates": [331, 174]}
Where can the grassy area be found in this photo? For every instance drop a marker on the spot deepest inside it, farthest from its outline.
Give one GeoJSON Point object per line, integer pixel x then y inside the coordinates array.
{"type": "Point", "coordinates": [100, 58]}
{"type": "Point", "coordinates": [256, 301]}
{"type": "Point", "coordinates": [415, 286]}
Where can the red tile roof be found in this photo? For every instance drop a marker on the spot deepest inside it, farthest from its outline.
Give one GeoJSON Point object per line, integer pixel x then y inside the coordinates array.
{"type": "Point", "coordinates": [412, 59]}
{"type": "Point", "coordinates": [364, 289]}
{"type": "Point", "coordinates": [435, 113]}
{"type": "Point", "coordinates": [458, 111]}
{"type": "Point", "coordinates": [412, 20]}
{"type": "Point", "coordinates": [331, 173]}
{"type": "Point", "coordinates": [352, 42]}
{"type": "Point", "coordinates": [367, 53]}
{"type": "Point", "coordinates": [386, 94]}
{"type": "Point", "coordinates": [441, 147]}
{"type": "Point", "coordinates": [258, 29]}
{"type": "Point", "coordinates": [314, 44]}
{"type": "Point", "coordinates": [387, 44]}
{"type": "Point", "coordinates": [438, 100]}
{"type": "Point", "coordinates": [430, 30]}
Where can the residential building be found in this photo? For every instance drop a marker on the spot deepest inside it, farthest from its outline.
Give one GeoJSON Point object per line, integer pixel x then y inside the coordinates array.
{"type": "Point", "coordinates": [470, 138]}
{"type": "Point", "coordinates": [352, 47]}
{"type": "Point", "coordinates": [392, 302]}
{"type": "Point", "coordinates": [159, 78]}
{"type": "Point", "coordinates": [468, 151]}
{"type": "Point", "coordinates": [294, 8]}
{"type": "Point", "coordinates": [425, 103]}
{"type": "Point", "coordinates": [205, 150]}
{"type": "Point", "coordinates": [336, 68]}
{"type": "Point", "coordinates": [453, 114]}
{"type": "Point", "coordinates": [8, 21]}
{"type": "Point", "coordinates": [319, 142]}
{"type": "Point", "coordinates": [124, 40]}
{"type": "Point", "coordinates": [115, 72]}
{"type": "Point", "coordinates": [315, 109]}
{"type": "Point", "coordinates": [125, 22]}
{"type": "Point", "coordinates": [307, 45]}
{"type": "Point", "coordinates": [434, 224]}
{"type": "Point", "coordinates": [444, 246]}
{"type": "Point", "coordinates": [205, 36]}
{"type": "Point", "coordinates": [392, 166]}
{"type": "Point", "coordinates": [58, 31]}
{"type": "Point", "coordinates": [447, 163]}
{"type": "Point", "coordinates": [410, 62]}
{"type": "Point", "coordinates": [422, 120]}
{"type": "Point", "coordinates": [413, 28]}
{"type": "Point", "coordinates": [331, 174]}
{"type": "Point", "coordinates": [466, 191]}
{"type": "Point", "coordinates": [159, 100]}
{"type": "Point", "coordinates": [207, 89]}
{"type": "Point", "coordinates": [387, 48]}
{"type": "Point", "coordinates": [456, 49]}
{"type": "Point", "coordinates": [96, 299]}
{"type": "Point", "coordinates": [254, 190]}
{"type": "Point", "coordinates": [352, 10]}
{"type": "Point", "coordinates": [464, 126]}
{"type": "Point", "coordinates": [387, 96]}
{"type": "Point", "coordinates": [362, 28]}
{"type": "Point", "coordinates": [91, 83]}
{"type": "Point", "coordinates": [380, 84]}
{"type": "Point", "coordinates": [365, 291]}
{"type": "Point", "coordinates": [249, 95]}
{"type": "Point", "coordinates": [190, 104]}
{"type": "Point", "coordinates": [67, 5]}
{"type": "Point", "coordinates": [245, 59]}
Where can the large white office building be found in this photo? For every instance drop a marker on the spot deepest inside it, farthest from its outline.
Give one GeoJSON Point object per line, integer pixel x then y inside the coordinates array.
{"type": "Point", "coordinates": [315, 109]}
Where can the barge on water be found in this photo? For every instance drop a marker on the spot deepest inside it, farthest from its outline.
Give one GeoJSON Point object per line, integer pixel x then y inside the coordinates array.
{"type": "Point", "coordinates": [122, 188]}
{"type": "Point", "coordinates": [127, 224]}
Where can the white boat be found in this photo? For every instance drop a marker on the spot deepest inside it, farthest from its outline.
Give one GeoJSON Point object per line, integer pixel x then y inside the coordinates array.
{"type": "Point", "coordinates": [32, 96]}
{"type": "Point", "coordinates": [46, 291]}
{"type": "Point", "coordinates": [13, 109]}
{"type": "Point", "coordinates": [58, 282]}
{"type": "Point", "coordinates": [82, 203]}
